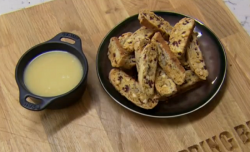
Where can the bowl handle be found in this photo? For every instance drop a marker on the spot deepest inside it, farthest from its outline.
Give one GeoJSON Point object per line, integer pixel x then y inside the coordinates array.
{"type": "Point", "coordinates": [31, 106]}
{"type": "Point", "coordinates": [77, 39]}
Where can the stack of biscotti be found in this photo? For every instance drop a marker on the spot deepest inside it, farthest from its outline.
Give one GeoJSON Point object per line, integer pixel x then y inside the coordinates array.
{"type": "Point", "coordinates": [130, 89]}
{"type": "Point", "coordinates": [184, 44]}
{"type": "Point", "coordinates": [168, 60]}
{"type": "Point", "coordinates": [141, 33]}
{"type": "Point", "coordinates": [119, 57]}
{"type": "Point", "coordinates": [147, 65]}
{"type": "Point", "coordinates": [121, 49]}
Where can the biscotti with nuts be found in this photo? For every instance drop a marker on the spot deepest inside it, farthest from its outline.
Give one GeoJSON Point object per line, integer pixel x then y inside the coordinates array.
{"type": "Point", "coordinates": [118, 56]}
{"type": "Point", "coordinates": [163, 84]}
{"type": "Point", "coordinates": [129, 88]}
{"type": "Point", "coordinates": [141, 33]}
{"type": "Point", "coordinates": [180, 35]}
{"type": "Point", "coordinates": [191, 80]}
{"type": "Point", "coordinates": [147, 66]}
{"type": "Point", "coordinates": [195, 58]}
{"type": "Point", "coordinates": [139, 46]}
{"type": "Point", "coordinates": [123, 38]}
{"type": "Point", "coordinates": [157, 23]}
{"type": "Point", "coordinates": [168, 61]}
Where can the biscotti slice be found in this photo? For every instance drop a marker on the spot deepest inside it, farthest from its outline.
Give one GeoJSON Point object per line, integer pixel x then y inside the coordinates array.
{"type": "Point", "coordinates": [147, 68]}
{"type": "Point", "coordinates": [191, 80]}
{"type": "Point", "coordinates": [118, 56]}
{"type": "Point", "coordinates": [195, 58]}
{"type": "Point", "coordinates": [180, 35]}
{"type": "Point", "coordinates": [163, 84]}
{"type": "Point", "coordinates": [168, 61]}
{"type": "Point", "coordinates": [157, 23]}
{"type": "Point", "coordinates": [141, 33]}
{"type": "Point", "coordinates": [130, 89]}
{"type": "Point", "coordinates": [124, 37]}
{"type": "Point", "coordinates": [139, 46]}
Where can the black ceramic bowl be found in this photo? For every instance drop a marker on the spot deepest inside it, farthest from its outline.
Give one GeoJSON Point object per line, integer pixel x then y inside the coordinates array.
{"type": "Point", "coordinates": [55, 102]}
{"type": "Point", "coordinates": [214, 56]}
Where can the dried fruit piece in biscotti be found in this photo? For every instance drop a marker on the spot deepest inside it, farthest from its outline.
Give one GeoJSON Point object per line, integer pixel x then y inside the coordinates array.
{"type": "Point", "coordinates": [118, 56]}
{"type": "Point", "coordinates": [180, 35]}
{"type": "Point", "coordinates": [195, 58]}
{"type": "Point", "coordinates": [130, 89]}
{"type": "Point", "coordinates": [163, 84]}
{"type": "Point", "coordinates": [168, 61]}
{"type": "Point", "coordinates": [124, 37]}
{"type": "Point", "coordinates": [139, 46]}
{"type": "Point", "coordinates": [141, 33]}
{"type": "Point", "coordinates": [147, 68]}
{"type": "Point", "coordinates": [157, 23]}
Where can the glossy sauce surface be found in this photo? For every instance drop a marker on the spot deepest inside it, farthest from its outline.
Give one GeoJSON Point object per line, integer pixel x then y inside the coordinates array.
{"type": "Point", "coordinates": [53, 73]}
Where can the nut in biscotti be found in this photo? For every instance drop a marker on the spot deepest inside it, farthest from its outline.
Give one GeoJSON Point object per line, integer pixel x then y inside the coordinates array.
{"type": "Point", "coordinates": [195, 58]}
{"type": "Point", "coordinates": [163, 84]}
{"type": "Point", "coordinates": [180, 35]}
{"type": "Point", "coordinates": [157, 23]}
{"type": "Point", "coordinates": [130, 89]}
{"type": "Point", "coordinates": [147, 68]}
{"type": "Point", "coordinates": [141, 33]}
{"type": "Point", "coordinates": [118, 56]}
{"type": "Point", "coordinates": [168, 61]}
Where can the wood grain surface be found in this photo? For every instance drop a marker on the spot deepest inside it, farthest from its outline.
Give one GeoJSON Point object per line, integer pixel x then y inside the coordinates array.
{"type": "Point", "coordinates": [97, 123]}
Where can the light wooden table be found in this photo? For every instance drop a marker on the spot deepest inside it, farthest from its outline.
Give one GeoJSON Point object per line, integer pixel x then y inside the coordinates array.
{"type": "Point", "coordinates": [97, 123]}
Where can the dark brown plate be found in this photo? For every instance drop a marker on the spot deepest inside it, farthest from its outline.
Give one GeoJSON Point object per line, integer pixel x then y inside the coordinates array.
{"type": "Point", "coordinates": [214, 56]}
